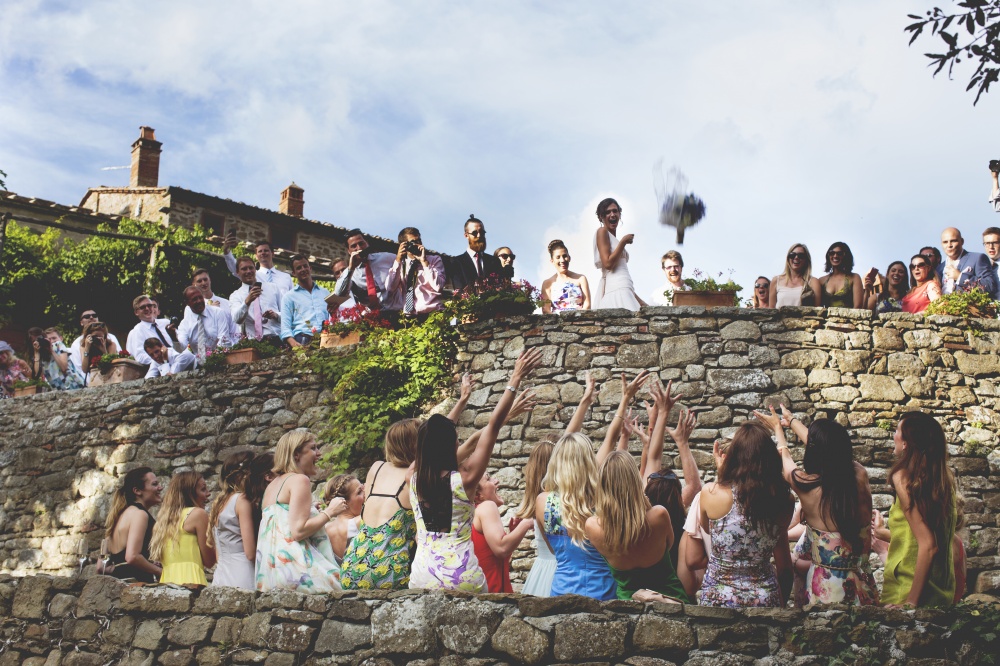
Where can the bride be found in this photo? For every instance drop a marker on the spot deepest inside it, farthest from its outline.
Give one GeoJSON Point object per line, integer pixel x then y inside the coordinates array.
{"type": "Point", "coordinates": [615, 289]}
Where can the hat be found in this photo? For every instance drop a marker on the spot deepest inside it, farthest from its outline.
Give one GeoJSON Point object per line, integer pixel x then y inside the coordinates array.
{"type": "Point", "coordinates": [5, 347]}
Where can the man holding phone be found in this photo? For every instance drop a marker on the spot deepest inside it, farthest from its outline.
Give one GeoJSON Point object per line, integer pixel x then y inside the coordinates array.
{"type": "Point", "coordinates": [267, 272]}
{"type": "Point", "coordinates": [256, 305]}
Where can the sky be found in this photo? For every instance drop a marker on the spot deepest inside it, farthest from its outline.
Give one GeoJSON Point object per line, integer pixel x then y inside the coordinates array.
{"type": "Point", "coordinates": [794, 122]}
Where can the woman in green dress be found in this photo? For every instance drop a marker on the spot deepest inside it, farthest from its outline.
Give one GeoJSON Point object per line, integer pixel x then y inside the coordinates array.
{"type": "Point", "coordinates": [919, 569]}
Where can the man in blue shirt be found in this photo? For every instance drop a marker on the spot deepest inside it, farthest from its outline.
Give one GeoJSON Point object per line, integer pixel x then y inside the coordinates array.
{"type": "Point", "coordinates": [304, 307]}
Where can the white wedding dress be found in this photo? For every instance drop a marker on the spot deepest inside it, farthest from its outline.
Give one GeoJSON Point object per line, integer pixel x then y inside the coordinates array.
{"type": "Point", "coordinates": [615, 289]}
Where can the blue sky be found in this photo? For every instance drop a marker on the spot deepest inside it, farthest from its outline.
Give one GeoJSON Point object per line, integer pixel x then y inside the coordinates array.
{"type": "Point", "coordinates": [795, 122]}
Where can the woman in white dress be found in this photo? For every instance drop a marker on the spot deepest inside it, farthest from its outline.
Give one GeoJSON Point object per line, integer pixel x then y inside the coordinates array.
{"type": "Point", "coordinates": [231, 525]}
{"type": "Point", "coordinates": [615, 289]}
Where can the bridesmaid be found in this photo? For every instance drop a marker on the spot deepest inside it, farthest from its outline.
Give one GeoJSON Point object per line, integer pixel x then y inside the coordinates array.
{"type": "Point", "coordinates": [180, 537]}
{"type": "Point", "coordinates": [231, 528]}
{"type": "Point", "coordinates": [565, 290]}
{"type": "Point", "coordinates": [130, 527]}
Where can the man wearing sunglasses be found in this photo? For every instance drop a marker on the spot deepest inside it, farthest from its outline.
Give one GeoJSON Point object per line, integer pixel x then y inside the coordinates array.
{"type": "Point", "coordinates": [961, 266]}
{"type": "Point", "coordinates": [149, 326]}
{"type": "Point", "coordinates": [87, 316]}
{"type": "Point", "coordinates": [475, 264]}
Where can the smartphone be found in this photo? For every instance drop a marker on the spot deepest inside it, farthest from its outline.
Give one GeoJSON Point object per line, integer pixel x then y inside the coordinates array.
{"type": "Point", "coordinates": [258, 285]}
{"type": "Point", "coordinates": [873, 273]}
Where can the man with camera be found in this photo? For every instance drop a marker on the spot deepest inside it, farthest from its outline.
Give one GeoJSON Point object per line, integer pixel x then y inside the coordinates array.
{"type": "Point", "coordinates": [205, 329]}
{"type": "Point", "coordinates": [256, 306]}
{"type": "Point", "coordinates": [366, 275]}
{"type": "Point", "coordinates": [303, 309]}
{"type": "Point", "coordinates": [87, 317]}
{"type": "Point", "coordinates": [995, 192]}
{"type": "Point", "coordinates": [149, 326]}
{"type": "Point", "coordinates": [960, 266]}
{"type": "Point", "coordinates": [415, 276]}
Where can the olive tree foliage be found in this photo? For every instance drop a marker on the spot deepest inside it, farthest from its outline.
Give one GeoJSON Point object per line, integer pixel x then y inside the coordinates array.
{"type": "Point", "coordinates": [974, 36]}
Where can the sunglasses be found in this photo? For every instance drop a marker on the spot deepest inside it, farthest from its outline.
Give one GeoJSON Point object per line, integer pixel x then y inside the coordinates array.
{"type": "Point", "coordinates": [89, 316]}
{"type": "Point", "coordinates": [835, 253]}
{"type": "Point", "coordinates": [762, 285]}
{"type": "Point", "coordinates": [792, 256]}
{"type": "Point", "coordinates": [916, 266]}
{"type": "Point", "coordinates": [928, 257]}
{"type": "Point", "coordinates": [147, 306]}
{"type": "Point", "coordinates": [476, 233]}
{"type": "Point", "coordinates": [665, 476]}
{"type": "Point", "coordinates": [504, 255]}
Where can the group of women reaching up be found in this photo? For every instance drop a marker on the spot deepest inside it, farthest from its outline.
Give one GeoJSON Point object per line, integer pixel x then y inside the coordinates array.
{"type": "Point", "coordinates": [606, 525]}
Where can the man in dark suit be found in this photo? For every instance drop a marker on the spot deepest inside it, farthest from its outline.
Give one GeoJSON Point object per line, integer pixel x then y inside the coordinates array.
{"type": "Point", "coordinates": [960, 267]}
{"type": "Point", "coordinates": [475, 264]}
{"type": "Point", "coordinates": [991, 243]}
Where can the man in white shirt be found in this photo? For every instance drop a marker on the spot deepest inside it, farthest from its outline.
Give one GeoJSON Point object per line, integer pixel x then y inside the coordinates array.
{"type": "Point", "coordinates": [204, 329]}
{"type": "Point", "coordinates": [203, 281]}
{"type": "Point", "coordinates": [339, 266]}
{"type": "Point", "coordinates": [267, 273]}
{"type": "Point", "coordinates": [673, 265]}
{"type": "Point", "coordinates": [149, 326]}
{"type": "Point", "coordinates": [366, 275]}
{"type": "Point", "coordinates": [165, 361]}
{"type": "Point", "coordinates": [88, 316]}
{"type": "Point", "coordinates": [255, 307]}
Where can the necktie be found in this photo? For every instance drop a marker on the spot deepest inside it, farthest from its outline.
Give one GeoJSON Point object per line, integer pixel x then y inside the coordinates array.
{"type": "Point", "coordinates": [479, 264]}
{"type": "Point", "coordinates": [156, 329]}
{"type": "Point", "coordinates": [373, 301]}
{"type": "Point", "coordinates": [270, 275]}
{"type": "Point", "coordinates": [258, 325]}
{"type": "Point", "coordinates": [410, 306]}
{"type": "Point", "coordinates": [202, 336]}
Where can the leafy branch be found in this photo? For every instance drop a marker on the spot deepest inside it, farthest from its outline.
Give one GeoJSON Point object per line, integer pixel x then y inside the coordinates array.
{"type": "Point", "coordinates": [981, 24]}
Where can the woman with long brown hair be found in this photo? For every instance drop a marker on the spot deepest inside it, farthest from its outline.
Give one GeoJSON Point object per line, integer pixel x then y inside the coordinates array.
{"type": "Point", "coordinates": [924, 285]}
{"type": "Point", "coordinates": [231, 530]}
{"type": "Point", "coordinates": [919, 569]}
{"type": "Point", "coordinates": [129, 527]}
{"type": "Point", "coordinates": [180, 537]}
{"type": "Point", "coordinates": [746, 511]}
{"type": "Point", "coordinates": [539, 580]}
{"type": "Point", "coordinates": [842, 287]}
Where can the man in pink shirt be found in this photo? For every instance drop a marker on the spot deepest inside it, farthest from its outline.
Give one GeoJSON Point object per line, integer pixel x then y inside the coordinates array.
{"type": "Point", "coordinates": [416, 276]}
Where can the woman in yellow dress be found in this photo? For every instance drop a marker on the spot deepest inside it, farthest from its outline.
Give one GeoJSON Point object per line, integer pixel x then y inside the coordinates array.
{"type": "Point", "coordinates": [180, 537]}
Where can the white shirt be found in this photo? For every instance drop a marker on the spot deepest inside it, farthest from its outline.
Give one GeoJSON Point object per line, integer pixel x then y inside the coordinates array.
{"type": "Point", "coordinates": [243, 318]}
{"type": "Point", "coordinates": [659, 298]}
{"type": "Point", "coordinates": [143, 331]}
{"type": "Point", "coordinates": [220, 331]}
{"type": "Point", "coordinates": [76, 353]}
{"type": "Point", "coordinates": [218, 302]}
{"type": "Point", "coordinates": [162, 369]}
{"type": "Point", "coordinates": [277, 277]}
{"type": "Point", "coordinates": [381, 263]}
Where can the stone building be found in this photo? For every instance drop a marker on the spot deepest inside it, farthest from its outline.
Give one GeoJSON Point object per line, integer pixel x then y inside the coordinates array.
{"type": "Point", "coordinates": [288, 230]}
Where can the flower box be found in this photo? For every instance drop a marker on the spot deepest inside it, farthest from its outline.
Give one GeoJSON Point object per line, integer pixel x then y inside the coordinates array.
{"type": "Point", "coordinates": [327, 340]}
{"type": "Point", "coordinates": [239, 356]}
{"type": "Point", "coordinates": [125, 370]}
{"type": "Point", "coordinates": [27, 390]}
{"type": "Point", "coordinates": [708, 299]}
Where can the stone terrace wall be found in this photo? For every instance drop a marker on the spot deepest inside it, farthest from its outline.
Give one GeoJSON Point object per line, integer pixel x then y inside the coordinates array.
{"type": "Point", "coordinates": [47, 621]}
{"type": "Point", "coordinates": [62, 453]}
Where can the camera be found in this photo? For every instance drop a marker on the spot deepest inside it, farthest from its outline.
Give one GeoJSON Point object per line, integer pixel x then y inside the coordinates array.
{"type": "Point", "coordinates": [995, 166]}
{"type": "Point", "coordinates": [413, 247]}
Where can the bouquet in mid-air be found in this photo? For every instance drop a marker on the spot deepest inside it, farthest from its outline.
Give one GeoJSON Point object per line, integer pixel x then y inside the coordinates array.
{"type": "Point", "coordinates": [678, 207]}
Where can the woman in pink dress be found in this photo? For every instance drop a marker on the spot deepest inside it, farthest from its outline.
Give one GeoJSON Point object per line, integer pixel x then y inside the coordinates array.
{"type": "Point", "coordinates": [924, 286]}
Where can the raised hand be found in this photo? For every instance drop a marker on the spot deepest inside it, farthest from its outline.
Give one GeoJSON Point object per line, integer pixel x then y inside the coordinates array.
{"type": "Point", "coordinates": [524, 402]}
{"type": "Point", "coordinates": [629, 389]}
{"type": "Point", "coordinates": [681, 433]}
{"type": "Point", "coordinates": [769, 419]}
{"type": "Point", "coordinates": [588, 391]}
{"type": "Point", "coordinates": [786, 416]}
{"type": "Point", "coordinates": [527, 362]}
{"type": "Point", "coordinates": [466, 390]}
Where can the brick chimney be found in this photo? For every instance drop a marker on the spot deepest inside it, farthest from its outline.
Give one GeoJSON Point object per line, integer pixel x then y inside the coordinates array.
{"type": "Point", "coordinates": [292, 202]}
{"type": "Point", "coordinates": [145, 159]}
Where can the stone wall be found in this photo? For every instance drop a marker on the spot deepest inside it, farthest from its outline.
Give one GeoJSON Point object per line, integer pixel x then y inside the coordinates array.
{"type": "Point", "coordinates": [62, 453]}
{"type": "Point", "coordinates": [47, 621]}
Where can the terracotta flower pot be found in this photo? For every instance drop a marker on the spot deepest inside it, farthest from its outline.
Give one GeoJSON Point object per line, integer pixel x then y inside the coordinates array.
{"type": "Point", "coordinates": [27, 390]}
{"type": "Point", "coordinates": [238, 356]}
{"type": "Point", "coordinates": [125, 370]}
{"type": "Point", "coordinates": [327, 340]}
{"type": "Point", "coordinates": [708, 299]}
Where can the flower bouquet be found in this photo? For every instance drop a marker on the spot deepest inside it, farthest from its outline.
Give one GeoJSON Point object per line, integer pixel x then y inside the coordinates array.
{"type": "Point", "coordinates": [494, 297]}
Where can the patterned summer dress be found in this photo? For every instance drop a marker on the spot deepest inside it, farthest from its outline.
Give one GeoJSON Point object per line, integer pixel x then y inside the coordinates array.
{"type": "Point", "coordinates": [378, 558]}
{"type": "Point", "coordinates": [566, 296]}
{"type": "Point", "coordinates": [446, 560]}
{"type": "Point", "coordinates": [305, 566]}
{"type": "Point", "coordinates": [836, 575]}
{"type": "Point", "coordinates": [740, 572]}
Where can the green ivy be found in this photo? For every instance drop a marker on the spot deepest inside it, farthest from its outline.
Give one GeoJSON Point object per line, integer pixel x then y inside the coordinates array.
{"type": "Point", "coordinates": [977, 626]}
{"type": "Point", "coordinates": [390, 375]}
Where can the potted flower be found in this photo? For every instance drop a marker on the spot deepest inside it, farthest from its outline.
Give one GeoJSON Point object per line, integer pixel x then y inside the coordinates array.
{"type": "Point", "coordinates": [115, 369]}
{"type": "Point", "coordinates": [968, 300]}
{"type": "Point", "coordinates": [352, 324]}
{"type": "Point", "coordinates": [709, 292]}
{"type": "Point", "coordinates": [29, 387]}
{"type": "Point", "coordinates": [494, 298]}
{"type": "Point", "coordinates": [248, 350]}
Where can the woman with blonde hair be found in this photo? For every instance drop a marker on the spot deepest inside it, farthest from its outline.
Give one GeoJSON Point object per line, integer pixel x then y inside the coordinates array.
{"type": "Point", "coordinates": [345, 526]}
{"type": "Point", "coordinates": [130, 527]}
{"type": "Point", "coordinates": [561, 513]}
{"type": "Point", "coordinates": [796, 286]}
{"type": "Point", "coordinates": [565, 290]}
{"type": "Point", "coordinates": [293, 551]}
{"type": "Point", "coordinates": [180, 537]}
{"type": "Point", "coordinates": [231, 529]}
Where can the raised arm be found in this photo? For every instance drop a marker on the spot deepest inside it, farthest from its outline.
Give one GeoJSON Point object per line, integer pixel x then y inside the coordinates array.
{"type": "Point", "coordinates": [524, 402]}
{"type": "Point", "coordinates": [689, 468]}
{"type": "Point", "coordinates": [629, 389]}
{"type": "Point", "coordinates": [628, 427]}
{"type": "Point", "coordinates": [772, 421]}
{"type": "Point", "coordinates": [663, 402]}
{"type": "Point", "coordinates": [463, 399]}
{"type": "Point", "coordinates": [472, 470]}
{"type": "Point", "coordinates": [576, 423]}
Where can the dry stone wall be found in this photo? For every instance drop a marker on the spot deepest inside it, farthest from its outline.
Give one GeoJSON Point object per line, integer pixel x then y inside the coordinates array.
{"type": "Point", "coordinates": [62, 453]}
{"type": "Point", "coordinates": [53, 621]}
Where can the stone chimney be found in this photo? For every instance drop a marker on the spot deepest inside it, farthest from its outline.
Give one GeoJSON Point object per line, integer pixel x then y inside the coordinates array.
{"type": "Point", "coordinates": [292, 202]}
{"type": "Point", "coordinates": [145, 159]}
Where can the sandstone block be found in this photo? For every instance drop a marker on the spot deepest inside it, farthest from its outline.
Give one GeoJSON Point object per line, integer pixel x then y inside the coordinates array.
{"type": "Point", "coordinates": [905, 364]}
{"type": "Point", "coordinates": [156, 599]}
{"type": "Point", "coordinates": [824, 377]}
{"type": "Point", "coordinates": [290, 637]}
{"type": "Point", "coordinates": [853, 361]}
{"type": "Point", "coordinates": [522, 642]}
{"type": "Point", "coordinates": [887, 339]}
{"type": "Point", "coordinates": [679, 350]}
{"type": "Point", "coordinates": [642, 355]}
{"type": "Point", "coordinates": [32, 597]}
{"type": "Point", "coordinates": [176, 658]}
{"type": "Point", "coordinates": [149, 636]}
{"type": "Point", "coordinates": [740, 330]}
{"type": "Point", "coordinates": [465, 626]}
{"type": "Point", "coordinates": [805, 359]}
{"type": "Point", "coordinates": [826, 338]}
{"type": "Point", "coordinates": [784, 378]}
{"type": "Point", "coordinates": [731, 381]}
{"type": "Point", "coordinates": [718, 416]}
{"type": "Point", "coordinates": [977, 365]}
{"type": "Point", "coordinates": [80, 630]}
{"type": "Point", "coordinates": [918, 387]}
{"type": "Point", "coordinates": [577, 357]}
{"type": "Point", "coordinates": [760, 355]}
{"type": "Point", "coordinates": [342, 637]}
{"type": "Point", "coordinates": [733, 361]}
{"type": "Point", "coordinates": [880, 388]}
{"type": "Point", "coordinates": [654, 633]}
{"type": "Point", "coordinates": [841, 394]}
{"type": "Point", "coordinates": [227, 630]}
{"type": "Point", "coordinates": [589, 637]}
{"type": "Point", "coordinates": [564, 604]}
{"type": "Point", "coordinates": [407, 626]}
{"type": "Point", "coordinates": [220, 600]}
{"type": "Point", "coordinates": [191, 630]}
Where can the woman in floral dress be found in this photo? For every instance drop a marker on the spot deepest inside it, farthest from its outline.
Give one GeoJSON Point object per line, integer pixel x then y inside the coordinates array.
{"type": "Point", "coordinates": [837, 508]}
{"type": "Point", "coordinates": [441, 490]}
{"type": "Point", "coordinates": [747, 511]}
